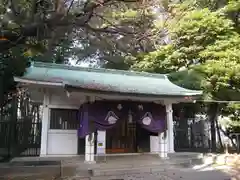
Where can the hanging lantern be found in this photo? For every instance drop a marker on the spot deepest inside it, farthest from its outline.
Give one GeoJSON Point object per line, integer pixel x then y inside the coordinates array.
{"type": "Point", "coordinates": [140, 107]}
{"type": "Point", "coordinates": [130, 118]}
{"type": "Point", "coordinates": [119, 106]}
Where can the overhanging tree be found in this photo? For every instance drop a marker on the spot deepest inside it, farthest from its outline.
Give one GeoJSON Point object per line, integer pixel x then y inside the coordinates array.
{"type": "Point", "coordinates": [98, 28]}
{"type": "Point", "coordinates": [204, 51]}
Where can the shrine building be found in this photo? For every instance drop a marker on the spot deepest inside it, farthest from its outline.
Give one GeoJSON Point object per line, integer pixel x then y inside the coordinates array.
{"type": "Point", "coordinates": [101, 112]}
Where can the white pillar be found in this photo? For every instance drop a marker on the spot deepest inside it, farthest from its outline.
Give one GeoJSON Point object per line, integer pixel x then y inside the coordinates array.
{"type": "Point", "coordinates": [170, 135]}
{"type": "Point", "coordinates": [89, 149]}
{"type": "Point", "coordinates": [45, 124]}
{"type": "Point", "coordinates": [92, 147]}
{"type": "Point", "coordinates": [162, 145]}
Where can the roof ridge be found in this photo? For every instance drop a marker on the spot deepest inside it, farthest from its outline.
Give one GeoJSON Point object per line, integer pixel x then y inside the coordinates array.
{"type": "Point", "coordinates": [101, 70]}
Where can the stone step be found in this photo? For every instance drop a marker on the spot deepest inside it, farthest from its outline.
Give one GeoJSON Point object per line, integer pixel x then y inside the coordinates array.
{"type": "Point", "coordinates": [17, 171]}
{"type": "Point", "coordinates": [142, 168]}
{"type": "Point", "coordinates": [189, 155]}
{"type": "Point", "coordinates": [137, 176]}
{"type": "Point", "coordinates": [187, 161]}
{"type": "Point", "coordinates": [31, 176]}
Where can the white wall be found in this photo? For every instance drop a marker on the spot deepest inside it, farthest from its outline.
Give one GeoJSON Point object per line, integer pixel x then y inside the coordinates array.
{"type": "Point", "coordinates": [60, 141]}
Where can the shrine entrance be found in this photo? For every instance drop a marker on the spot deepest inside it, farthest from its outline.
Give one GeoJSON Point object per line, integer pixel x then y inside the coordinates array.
{"type": "Point", "coordinates": [127, 137]}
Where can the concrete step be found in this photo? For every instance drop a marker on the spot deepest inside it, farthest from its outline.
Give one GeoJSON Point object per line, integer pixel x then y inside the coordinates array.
{"type": "Point", "coordinates": [145, 166]}
{"type": "Point", "coordinates": [188, 162]}
{"type": "Point", "coordinates": [137, 176]}
{"type": "Point", "coordinates": [189, 155]}
{"type": "Point", "coordinates": [29, 171]}
{"type": "Point", "coordinates": [142, 168]}
{"type": "Point", "coordinates": [192, 158]}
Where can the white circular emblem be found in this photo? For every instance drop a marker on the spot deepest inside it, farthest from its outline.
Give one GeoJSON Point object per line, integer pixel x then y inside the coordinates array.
{"type": "Point", "coordinates": [112, 120]}
{"type": "Point", "coordinates": [146, 121]}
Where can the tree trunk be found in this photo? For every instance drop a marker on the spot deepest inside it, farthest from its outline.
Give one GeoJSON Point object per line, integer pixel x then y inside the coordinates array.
{"type": "Point", "coordinates": [219, 135]}
{"type": "Point", "coordinates": [213, 114]}
{"type": "Point", "coordinates": [229, 137]}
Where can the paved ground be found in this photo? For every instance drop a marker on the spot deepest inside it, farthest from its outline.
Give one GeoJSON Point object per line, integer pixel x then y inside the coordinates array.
{"type": "Point", "coordinates": [171, 174]}
{"type": "Point", "coordinates": [167, 174]}
{"type": "Point", "coordinates": [72, 167]}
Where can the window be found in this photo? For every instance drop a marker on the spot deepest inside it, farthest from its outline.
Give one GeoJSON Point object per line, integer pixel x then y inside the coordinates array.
{"type": "Point", "coordinates": [64, 119]}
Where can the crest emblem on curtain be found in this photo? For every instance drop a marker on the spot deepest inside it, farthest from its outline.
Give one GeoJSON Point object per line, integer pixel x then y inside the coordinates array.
{"type": "Point", "coordinates": [147, 119]}
{"type": "Point", "coordinates": [111, 117]}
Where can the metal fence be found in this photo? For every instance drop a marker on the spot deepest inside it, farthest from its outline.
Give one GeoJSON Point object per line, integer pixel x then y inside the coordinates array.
{"type": "Point", "coordinates": [192, 136]}
{"type": "Point", "coordinates": [19, 139]}
{"type": "Point", "coordinates": [20, 129]}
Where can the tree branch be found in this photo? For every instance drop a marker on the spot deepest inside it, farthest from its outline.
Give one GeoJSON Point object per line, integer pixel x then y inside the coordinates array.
{"type": "Point", "coordinates": [13, 37]}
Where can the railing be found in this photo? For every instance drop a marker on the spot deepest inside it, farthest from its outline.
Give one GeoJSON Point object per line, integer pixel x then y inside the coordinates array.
{"type": "Point", "coordinates": [20, 127]}
{"type": "Point", "coordinates": [19, 139]}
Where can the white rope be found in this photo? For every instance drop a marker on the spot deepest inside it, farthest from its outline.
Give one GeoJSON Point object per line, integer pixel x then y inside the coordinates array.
{"type": "Point", "coordinates": [217, 101]}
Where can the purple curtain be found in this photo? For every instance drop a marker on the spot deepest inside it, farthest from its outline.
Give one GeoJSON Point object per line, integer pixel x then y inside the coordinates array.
{"type": "Point", "coordinates": [83, 129]}
{"type": "Point", "coordinates": [151, 117]}
{"type": "Point", "coordinates": [103, 115]}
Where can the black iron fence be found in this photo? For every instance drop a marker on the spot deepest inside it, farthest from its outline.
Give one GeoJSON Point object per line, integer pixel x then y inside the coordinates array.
{"type": "Point", "coordinates": [192, 136]}
{"type": "Point", "coordinates": [21, 138]}
{"type": "Point", "coordinates": [20, 128]}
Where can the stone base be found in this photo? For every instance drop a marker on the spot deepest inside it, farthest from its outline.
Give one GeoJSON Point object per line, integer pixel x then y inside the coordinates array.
{"type": "Point", "coordinates": [90, 162]}
{"type": "Point", "coordinates": [164, 157]}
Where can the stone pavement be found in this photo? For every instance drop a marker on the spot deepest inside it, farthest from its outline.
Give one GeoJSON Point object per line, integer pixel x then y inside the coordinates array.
{"type": "Point", "coordinates": [74, 168]}
{"type": "Point", "coordinates": [170, 174]}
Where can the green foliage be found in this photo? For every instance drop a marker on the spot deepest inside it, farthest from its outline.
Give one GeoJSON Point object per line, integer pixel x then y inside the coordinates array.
{"type": "Point", "coordinates": [157, 61]}
{"type": "Point", "coordinates": [232, 6]}
{"type": "Point", "coordinates": [204, 52]}
{"type": "Point", "coordinates": [189, 79]}
{"type": "Point", "coordinates": [234, 110]}
{"type": "Point", "coordinates": [191, 36]}
{"type": "Point", "coordinates": [222, 68]}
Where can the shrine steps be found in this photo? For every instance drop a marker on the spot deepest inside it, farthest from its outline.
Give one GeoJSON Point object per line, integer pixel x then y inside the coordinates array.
{"type": "Point", "coordinates": [142, 164]}
{"type": "Point", "coordinates": [114, 167]}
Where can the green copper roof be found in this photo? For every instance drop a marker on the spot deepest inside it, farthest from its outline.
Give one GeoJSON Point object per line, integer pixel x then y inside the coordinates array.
{"type": "Point", "coordinates": [106, 80]}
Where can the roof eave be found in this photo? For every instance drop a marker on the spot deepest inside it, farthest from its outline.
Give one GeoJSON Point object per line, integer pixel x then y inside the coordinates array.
{"type": "Point", "coordinates": [37, 82]}
{"type": "Point", "coordinates": [184, 97]}
{"type": "Point", "coordinates": [71, 88]}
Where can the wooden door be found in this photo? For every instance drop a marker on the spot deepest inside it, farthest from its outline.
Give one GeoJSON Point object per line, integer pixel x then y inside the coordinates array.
{"type": "Point", "coordinates": [121, 138]}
